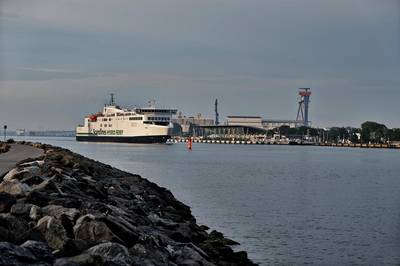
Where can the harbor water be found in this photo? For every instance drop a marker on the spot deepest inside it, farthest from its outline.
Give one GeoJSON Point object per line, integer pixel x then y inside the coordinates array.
{"type": "Point", "coordinates": [286, 205]}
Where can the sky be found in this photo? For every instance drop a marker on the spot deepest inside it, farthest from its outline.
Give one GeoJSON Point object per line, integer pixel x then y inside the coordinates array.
{"type": "Point", "coordinates": [60, 59]}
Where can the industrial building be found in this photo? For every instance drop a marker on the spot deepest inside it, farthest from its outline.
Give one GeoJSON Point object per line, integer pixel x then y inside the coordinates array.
{"type": "Point", "coordinates": [228, 131]}
{"type": "Point", "coordinates": [184, 125]}
{"type": "Point", "coordinates": [271, 124]}
{"type": "Point", "coordinates": [258, 122]}
{"type": "Point", "coordinates": [251, 121]}
{"type": "Point", "coordinates": [240, 126]}
{"type": "Point", "coordinates": [268, 124]}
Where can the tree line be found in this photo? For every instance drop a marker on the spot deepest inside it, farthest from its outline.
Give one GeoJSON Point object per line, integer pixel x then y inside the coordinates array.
{"type": "Point", "coordinates": [370, 132]}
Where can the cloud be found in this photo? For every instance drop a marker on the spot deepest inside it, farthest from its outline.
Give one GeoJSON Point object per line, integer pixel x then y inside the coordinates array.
{"type": "Point", "coordinates": [47, 70]}
{"type": "Point", "coordinates": [67, 55]}
{"type": "Point", "coordinates": [70, 99]}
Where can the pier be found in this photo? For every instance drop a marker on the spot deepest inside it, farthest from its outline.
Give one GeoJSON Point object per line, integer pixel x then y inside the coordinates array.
{"type": "Point", "coordinates": [241, 141]}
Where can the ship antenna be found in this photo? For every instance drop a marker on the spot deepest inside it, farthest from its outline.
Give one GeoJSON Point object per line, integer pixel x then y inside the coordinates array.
{"type": "Point", "coordinates": [112, 99]}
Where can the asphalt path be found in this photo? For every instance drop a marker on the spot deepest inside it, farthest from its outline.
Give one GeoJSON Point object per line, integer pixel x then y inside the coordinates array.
{"type": "Point", "coordinates": [17, 153]}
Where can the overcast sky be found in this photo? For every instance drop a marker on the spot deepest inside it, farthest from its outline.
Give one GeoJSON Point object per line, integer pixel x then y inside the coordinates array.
{"type": "Point", "coordinates": [59, 59]}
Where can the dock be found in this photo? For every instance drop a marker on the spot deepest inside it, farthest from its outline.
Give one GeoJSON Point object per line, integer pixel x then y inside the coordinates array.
{"type": "Point", "coordinates": [271, 142]}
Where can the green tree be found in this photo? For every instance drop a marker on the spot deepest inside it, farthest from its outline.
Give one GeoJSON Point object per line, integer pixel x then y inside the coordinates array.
{"type": "Point", "coordinates": [353, 134]}
{"type": "Point", "coordinates": [270, 132]}
{"type": "Point", "coordinates": [373, 132]}
{"type": "Point", "coordinates": [393, 134]}
{"type": "Point", "coordinates": [284, 130]}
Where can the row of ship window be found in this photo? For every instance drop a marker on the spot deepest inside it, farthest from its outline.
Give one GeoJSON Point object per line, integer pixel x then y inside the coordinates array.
{"type": "Point", "coordinates": [141, 118]}
{"type": "Point", "coordinates": [158, 118]}
{"type": "Point", "coordinates": [130, 118]}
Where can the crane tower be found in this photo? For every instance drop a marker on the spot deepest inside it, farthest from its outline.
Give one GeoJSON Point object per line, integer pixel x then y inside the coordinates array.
{"type": "Point", "coordinates": [304, 101]}
{"type": "Point", "coordinates": [216, 113]}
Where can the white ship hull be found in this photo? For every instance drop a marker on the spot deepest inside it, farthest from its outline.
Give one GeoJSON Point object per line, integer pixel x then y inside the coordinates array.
{"type": "Point", "coordinates": [128, 133]}
{"type": "Point", "coordinates": [139, 125]}
{"type": "Point", "coordinates": [137, 139]}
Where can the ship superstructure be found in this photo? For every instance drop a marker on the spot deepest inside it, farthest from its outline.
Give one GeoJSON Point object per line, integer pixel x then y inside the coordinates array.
{"type": "Point", "coordinates": [136, 125]}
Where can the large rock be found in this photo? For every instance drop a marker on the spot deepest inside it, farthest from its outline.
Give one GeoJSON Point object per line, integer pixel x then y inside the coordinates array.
{"type": "Point", "coordinates": [15, 173]}
{"type": "Point", "coordinates": [33, 170]}
{"type": "Point", "coordinates": [47, 186]}
{"type": "Point", "coordinates": [187, 256]}
{"type": "Point", "coordinates": [11, 254]}
{"type": "Point", "coordinates": [88, 228]}
{"type": "Point", "coordinates": [6, 201]}
{"type": "Point", "coordinates": [32, 163]}
{"type": "Point", "coordinates": [57, 211]}
{"type": "Point", "coordinates": [35, 213]}
{"type": "Point", "coordinates": [14, 187]}
{"type": "Point", "coordinates": [79, 260]}
{"type": "Point", "coordinates": [39, 198]}
{"type": "Point", "coordinates": [149, 255]}
{"type": "Point", "coordinates": [122, 229]}
{"type": "Point", "coordinates": [74, 247]}
{"type": "Point", "coordinates": [26, 172]}
{"type": "Point", "coordinates": [53, 231]}
{"type": "Point", "coordinates": [40, 250]}
{"type": "Point", "coordinates": [13, 229]}
{"type": "Point", "coordinates": [111, 254]}
{"type": "Point", "coordinates": [33, 180]}
{"type": "Point", "coordinates": [21, 209]}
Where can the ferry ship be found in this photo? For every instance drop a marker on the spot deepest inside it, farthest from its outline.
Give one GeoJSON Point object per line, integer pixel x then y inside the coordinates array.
{"type": "Point", "coordinates": [136, 125]}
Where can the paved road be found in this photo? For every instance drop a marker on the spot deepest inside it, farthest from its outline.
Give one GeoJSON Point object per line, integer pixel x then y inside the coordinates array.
{"type": "Point", "coordinates": [17, 153]}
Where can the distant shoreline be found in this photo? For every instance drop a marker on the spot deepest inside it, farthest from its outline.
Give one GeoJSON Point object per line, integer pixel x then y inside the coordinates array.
{"type": "Point", "coordinates": [321, 144]}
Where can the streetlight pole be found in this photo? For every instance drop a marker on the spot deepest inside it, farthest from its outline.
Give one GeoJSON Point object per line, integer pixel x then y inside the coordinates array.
{"type": "Point", "coordinates": [5, 133]}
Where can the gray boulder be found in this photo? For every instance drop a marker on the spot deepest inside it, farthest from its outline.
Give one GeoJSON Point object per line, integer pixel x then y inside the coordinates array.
{"type": "Point", "coordinates": [13, 229]}
{"type": "Point", "coordinates": [15, 173]}
{"type": "Point", "coordinates": [32, 170]}
{"type": "Point", "coordinates": [111, 254]}
{"type": "Point", "coordinates": [58, 210]}
{"type": "Point", "coordinates": [74, 247]}
{"type": "Point", "coordinates": [40, 250]}
{"type": "Point", "coordinates": [188, 256]}
{"type": "Point", "coordinates": [21, 209]}
{"type": "Point", "coordinates": [26, 172]}
{"type": "Point", "coordinates": [11, 254]}
{"type": "Point", "coordinates": [122, 229]}
{"type": "Point", "coordinates": [35, 213]}
{"type": "Point", "coordinates": [33, 180]}
{"type": "Point", "coordinates": [14, 187]}
{"type": "Point", "coordinates": [53, 231]}
{"type": "Point", "coordinates": [148, 255]}
{"type": "Point", "coordinates": [79, 260]}
{"type": "Point", "coordinates": [6, 201]}
{"type": "Point", "coordinates": [88, 228]}
{"type": "Point", "coordinates": [33, 163]}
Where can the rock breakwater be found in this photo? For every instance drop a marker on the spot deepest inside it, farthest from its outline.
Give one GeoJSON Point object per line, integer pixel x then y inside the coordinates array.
{"type": "Point", "coordinates": [4, 147]}
{"type": "Point", "coordinates": [65, 209]}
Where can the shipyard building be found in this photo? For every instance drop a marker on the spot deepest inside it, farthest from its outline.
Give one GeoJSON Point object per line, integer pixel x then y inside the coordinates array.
{"type": "Point", "coordinates": [243, 126]}
{"type": "Point", "coordinates": [257, 121]}
{"type": "Point", "coordinates": [188, 125]}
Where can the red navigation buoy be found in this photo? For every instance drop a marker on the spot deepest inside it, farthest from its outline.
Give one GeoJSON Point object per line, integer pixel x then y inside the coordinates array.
{"type": "Point", "coordinates": [189, 143]}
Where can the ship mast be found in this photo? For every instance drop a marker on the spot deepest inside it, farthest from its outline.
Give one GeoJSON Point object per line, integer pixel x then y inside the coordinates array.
{"type": "Point", "coordinates": [112, 102]}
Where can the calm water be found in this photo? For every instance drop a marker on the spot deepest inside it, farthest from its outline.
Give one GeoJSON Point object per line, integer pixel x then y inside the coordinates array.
{"type": "Point", "coordinates": [284, 204]}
